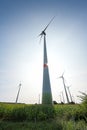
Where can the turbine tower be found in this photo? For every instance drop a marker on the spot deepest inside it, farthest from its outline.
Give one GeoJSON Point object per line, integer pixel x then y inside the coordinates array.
{"type": "Point", "coordinates": [65, 88]}
{"type": "Point", "coordinates": [18, 93]}
{"type": "Point", "coordinates": [70, 93]}
{"type": "Point", "coordinates": [63, 97]}
{"type": "Point", "coordinates": [46, 90]}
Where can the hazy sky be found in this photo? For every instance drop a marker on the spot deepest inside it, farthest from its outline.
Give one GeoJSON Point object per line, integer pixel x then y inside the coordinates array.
{"type": "Point", "coordinates": [21, 55]}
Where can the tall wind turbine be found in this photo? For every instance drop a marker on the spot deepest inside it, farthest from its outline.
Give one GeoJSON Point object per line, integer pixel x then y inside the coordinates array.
{"type": "Point", "coordinates": [18, 93]}
{"type": "Point", "coordinates": [46, 90]}
{"type": "Point", "coordinates": [65, 87]}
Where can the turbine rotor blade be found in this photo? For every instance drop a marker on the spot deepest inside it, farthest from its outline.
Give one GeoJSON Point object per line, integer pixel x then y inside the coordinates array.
{"type": "Point", "coordinates": [48, 24]}
{"type": "Point", "coordinates": [63, 74]}
{"type": "Point", "coordinates": [43, 32]}
{"type": "Point", "coordinates": [40, 34]}
{"type": "Point", "coordinates": [60, 77]}
{"type": "Point", "coordinates": [40, 38]}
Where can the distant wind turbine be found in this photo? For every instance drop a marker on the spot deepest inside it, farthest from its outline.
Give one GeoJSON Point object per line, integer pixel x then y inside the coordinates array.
{"type": "Point", "coordinates": [39, 99]}
{"type": "Point", "coordinates": [46, 90]}
{"type": "Point", "coordinates": [65, 87]}
{"type": "Point", "coordinates": [18, 93]}
{"type": "Point", "coordinates": [70, 93]}
{"type": "Point", "coordinates": [63, 97]}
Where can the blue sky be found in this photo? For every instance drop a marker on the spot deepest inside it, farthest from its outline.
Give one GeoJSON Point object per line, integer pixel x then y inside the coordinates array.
{"type": "Point", "coordinates": [21, 55]}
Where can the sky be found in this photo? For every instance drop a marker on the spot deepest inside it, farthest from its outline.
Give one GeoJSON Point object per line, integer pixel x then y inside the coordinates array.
{"type": "Point", "coordinates": [21, 54]}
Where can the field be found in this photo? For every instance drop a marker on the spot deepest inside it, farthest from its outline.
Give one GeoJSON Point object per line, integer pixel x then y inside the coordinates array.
{"type": "Point", "coordinates": [43, 117]}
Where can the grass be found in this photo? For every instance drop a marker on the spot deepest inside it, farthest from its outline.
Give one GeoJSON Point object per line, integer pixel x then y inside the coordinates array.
{"type": "Point", "coordinates": [42, 117]}
{"type": "Point", "coordinates": [51, 125]}
{"type": "Point", "coordinates": [55, 124]}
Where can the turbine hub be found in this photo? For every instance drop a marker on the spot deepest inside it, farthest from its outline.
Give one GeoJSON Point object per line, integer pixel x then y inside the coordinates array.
{"type": "Point", "coordinates": [43, 33]}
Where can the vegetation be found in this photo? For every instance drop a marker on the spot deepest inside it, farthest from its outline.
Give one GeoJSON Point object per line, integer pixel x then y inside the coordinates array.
{"type": "Point", "coordinates": [44, 117]}
{"type": "Point", "coordinates": [83, 98]}
{"type": "Point", "coordinates": [23, 112]}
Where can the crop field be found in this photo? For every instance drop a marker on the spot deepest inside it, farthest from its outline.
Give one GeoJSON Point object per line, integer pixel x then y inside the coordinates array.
{"type": "Point", "coordinates": [43, 117]}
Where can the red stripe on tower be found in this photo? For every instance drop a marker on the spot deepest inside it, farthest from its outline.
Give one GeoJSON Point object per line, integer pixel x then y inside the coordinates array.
{"type": "Point", "coordinates": [45, 65]}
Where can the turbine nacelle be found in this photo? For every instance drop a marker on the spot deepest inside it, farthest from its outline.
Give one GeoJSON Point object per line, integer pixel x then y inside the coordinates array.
{"type": "Point", "coordinates": [20, 84]}
{"type": "Point", "coordinates": [43, 32]}
{"type": "Point", "coordinates": [62, 76]}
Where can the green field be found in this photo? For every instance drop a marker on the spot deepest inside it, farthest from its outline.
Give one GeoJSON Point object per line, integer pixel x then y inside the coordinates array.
{"type": "Point", "coordinates": [43, 117]}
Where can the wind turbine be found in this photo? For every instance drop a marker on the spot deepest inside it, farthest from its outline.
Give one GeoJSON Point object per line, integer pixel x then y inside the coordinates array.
{"type": "Point", "coordinates": [18, 93]}
{"type": "Point", "coordinates": [46, 90]}
{"type": "Point", "coordinates": [70, 93]}
{"type": "Point", "coordinates": [65, 87]}
{"type": "Point", "coordinates": [63, 97]}
{"type": "Point", "coordinates": [39, 99]}
{"type": "Point", "coordinates": [60, 98]}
